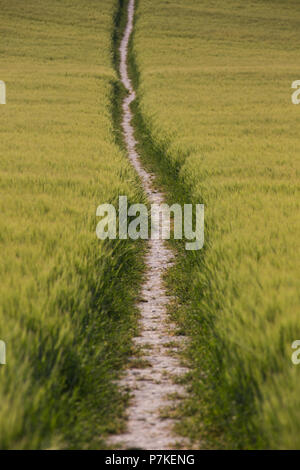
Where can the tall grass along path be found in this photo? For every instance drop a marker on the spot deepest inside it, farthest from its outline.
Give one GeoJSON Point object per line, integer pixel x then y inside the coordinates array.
{"type": "Point", "coordinates": [152, 387]}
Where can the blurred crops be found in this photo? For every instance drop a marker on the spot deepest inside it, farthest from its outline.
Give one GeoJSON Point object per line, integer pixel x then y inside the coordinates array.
{"type": "Point", "coordinates": [214, 87]}
{"type": "Point", "coordinates": [66, 308]}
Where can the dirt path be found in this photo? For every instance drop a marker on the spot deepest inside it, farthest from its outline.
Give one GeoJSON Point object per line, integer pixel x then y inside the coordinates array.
{"type": "Point", "coordinates": [151, 387]}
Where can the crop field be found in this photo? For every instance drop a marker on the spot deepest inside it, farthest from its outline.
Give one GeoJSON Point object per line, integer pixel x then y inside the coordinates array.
{"type": "Point", "coordinates": [161, 101]}
{"type": "Point", "coordinates": [214, 88]}
{"type": "Point", "coordinates": [66, 331]}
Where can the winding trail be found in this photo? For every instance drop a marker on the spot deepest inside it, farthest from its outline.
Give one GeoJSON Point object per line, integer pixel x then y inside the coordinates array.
{"type": "Point", "coordinates": [152, 387]}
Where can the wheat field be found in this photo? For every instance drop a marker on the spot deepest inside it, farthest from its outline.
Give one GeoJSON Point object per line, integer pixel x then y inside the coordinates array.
{"type": "Point", "coordinates": [214, 86]}
{"type": "Point", "coordinates": [66, 331]}
{"type": "Point", "coordinates": [214, 120]}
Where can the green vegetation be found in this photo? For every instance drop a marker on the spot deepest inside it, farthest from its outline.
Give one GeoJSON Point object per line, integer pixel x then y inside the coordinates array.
{"type": "Point", "coordinates": [214, 88]}
{"type": "Point", "coordinates": [215, 119]}
{"type": "Point", "coordinates": [66, 308]}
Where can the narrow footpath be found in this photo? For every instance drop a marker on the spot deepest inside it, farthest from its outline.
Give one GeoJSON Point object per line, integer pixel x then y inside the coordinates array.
{"type": "Point", "coordinates": [152, 388]}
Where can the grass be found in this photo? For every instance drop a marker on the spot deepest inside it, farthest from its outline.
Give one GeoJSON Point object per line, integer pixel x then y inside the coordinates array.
{"type": "Point", "coordinates": [67, 310]}
{"type": "Point", "coordinates": [215, 116]}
